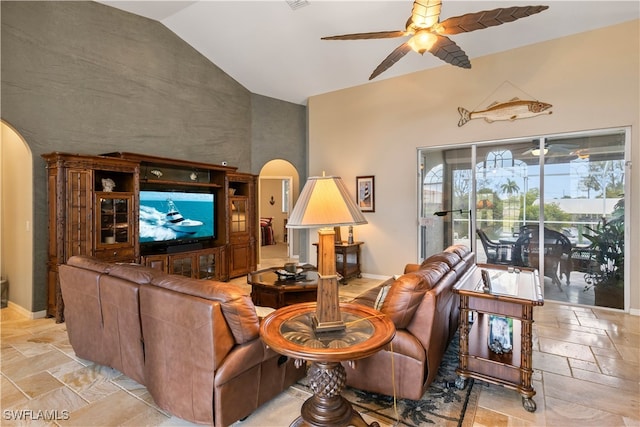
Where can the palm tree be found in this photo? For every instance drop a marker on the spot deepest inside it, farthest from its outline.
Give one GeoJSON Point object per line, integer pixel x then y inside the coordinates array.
{"type": "Point", "coordinates": [510, 188]}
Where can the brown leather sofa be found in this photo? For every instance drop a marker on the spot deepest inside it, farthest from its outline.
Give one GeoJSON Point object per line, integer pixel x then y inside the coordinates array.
{"type": "Point", "coordinates": [194, 344]}
{"type": "Point", "coordinates": [426, 314]}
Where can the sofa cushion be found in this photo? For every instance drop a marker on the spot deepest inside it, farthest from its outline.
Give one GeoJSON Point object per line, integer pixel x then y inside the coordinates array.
{"type": "Point", "coordinates": [459, 249]}
{"type": "Point", "coordinates": [135, 273]}
{"type": "Point", "coordinates": [403, 298]}
{"type": "Point", "coordinates": [382, 295]}
{"type": "Point", "coordinates": [237, 307]}
{"type": "Point", "coordinates": [89, 263]}
{"type": "Point", "coordinates": [433, 272]}
{"type": "Point", "coordinates": [453, 260]}
{"type": "Point", "coordinates": [241, 316]}
{"type": "Point", "coordinates": [411, 267]}
{"type": "Point", "coordinates": [449, 258]}
{"type": "Point", "coordinates": [406, 293]}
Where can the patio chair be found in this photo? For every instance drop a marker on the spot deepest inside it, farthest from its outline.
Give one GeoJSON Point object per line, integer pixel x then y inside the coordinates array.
{"type": "Point", "coordinates": [557, 252]}
{"type": "Point", "coordinates": [497, 253]}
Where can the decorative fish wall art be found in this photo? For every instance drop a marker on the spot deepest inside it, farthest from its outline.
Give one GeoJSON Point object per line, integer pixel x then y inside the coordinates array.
{"type": "Point", "coordinates": [510, 110]}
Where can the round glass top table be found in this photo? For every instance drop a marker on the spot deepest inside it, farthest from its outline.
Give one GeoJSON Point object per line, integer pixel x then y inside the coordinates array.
{"type": "Point", "coordinates": [290, 331]}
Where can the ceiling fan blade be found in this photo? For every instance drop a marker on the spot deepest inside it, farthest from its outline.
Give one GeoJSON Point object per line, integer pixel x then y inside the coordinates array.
{"type": "Point", "coordinates": [447, 50]}
{"type": "Point", "coordinates": [366, 36]}
{"type": "Point", "coordinates": [487, 18]}
{"type": "Point", "coordinates": [425, 13]}
{"type": "Point", "coordinates": [393, 57]}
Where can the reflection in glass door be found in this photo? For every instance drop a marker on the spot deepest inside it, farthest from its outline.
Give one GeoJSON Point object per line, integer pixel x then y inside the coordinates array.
{"type": "Point", "coordinates": [445, 183]}
{"type": "Point", "coordinates": [505, 181]}
{"type": "Point", "coordinates": [584, 191]}
{"type": "Point", "coordinates": [551, 203]}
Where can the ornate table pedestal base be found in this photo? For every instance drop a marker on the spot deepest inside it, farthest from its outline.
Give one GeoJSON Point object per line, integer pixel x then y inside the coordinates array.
{"type": "Point", "coordinates": [327, 407]}
{"type": "Point", "coordinates": [290, 331]}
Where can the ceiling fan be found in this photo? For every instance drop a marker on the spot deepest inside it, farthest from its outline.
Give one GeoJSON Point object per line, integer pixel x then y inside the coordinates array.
{"type": "Point", "coordinates": [549, 148]}
{"type": "Point", "coordinates": [429, 34]}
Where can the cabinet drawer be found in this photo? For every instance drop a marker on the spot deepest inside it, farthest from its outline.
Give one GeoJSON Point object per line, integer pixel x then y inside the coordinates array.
{"type": "Point", "coordinates": [116, 254]}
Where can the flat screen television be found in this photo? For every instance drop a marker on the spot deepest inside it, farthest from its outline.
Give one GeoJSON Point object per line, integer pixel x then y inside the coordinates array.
{"type": "Point", "coordinates": [176, 216]}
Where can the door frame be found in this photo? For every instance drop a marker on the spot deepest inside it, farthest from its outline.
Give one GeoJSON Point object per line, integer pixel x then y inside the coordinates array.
{"type": "Point", "coordinates": [281, 178]}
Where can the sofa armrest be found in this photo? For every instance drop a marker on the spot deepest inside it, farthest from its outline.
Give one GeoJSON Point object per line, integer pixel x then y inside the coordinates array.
{"type": "Point", "coordinates": [410, 268]}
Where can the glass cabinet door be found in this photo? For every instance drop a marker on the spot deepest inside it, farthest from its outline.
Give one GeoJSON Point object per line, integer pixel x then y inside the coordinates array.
{"type": "Point", "coordinates": [182, 265]}
{"type": "Point", "coordinates": [239, 207]}
{"type": "Point", "coordinates": [114, 218]}
{"type": "Point", "coordinates": [207, 266]}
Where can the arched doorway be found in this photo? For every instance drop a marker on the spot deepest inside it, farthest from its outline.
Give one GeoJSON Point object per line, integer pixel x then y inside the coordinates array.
{"type": "Point", "coordinates": [278, 187]}
{"type": "Point", "coordinates": [16, 213]}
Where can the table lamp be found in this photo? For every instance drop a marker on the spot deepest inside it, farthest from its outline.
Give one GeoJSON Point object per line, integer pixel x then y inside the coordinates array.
{"type": "Point", "coordinates": [324, 203]}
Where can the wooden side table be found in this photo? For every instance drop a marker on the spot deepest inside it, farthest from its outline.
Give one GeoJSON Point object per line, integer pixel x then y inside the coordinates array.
{"type": "Point", "coordinates": [514, 294]}
{"type": "Point", "coordinates": [289, 331]}
{"type": "Point", "coordinates": [347, 259]}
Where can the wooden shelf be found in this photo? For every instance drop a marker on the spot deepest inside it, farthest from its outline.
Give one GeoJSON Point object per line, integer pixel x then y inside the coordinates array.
{"type": "Point", "coordinates": [163, 182]}
{"type": "Point", "coordinates": [503, 367]}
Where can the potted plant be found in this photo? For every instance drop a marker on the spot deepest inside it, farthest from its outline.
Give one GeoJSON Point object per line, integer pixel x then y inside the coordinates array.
{"type": "Point", "coordinates": [606, 275]}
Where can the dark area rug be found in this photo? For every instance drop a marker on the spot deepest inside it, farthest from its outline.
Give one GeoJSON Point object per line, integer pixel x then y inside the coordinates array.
{"type": "Point", "coordinates": [442, 404]}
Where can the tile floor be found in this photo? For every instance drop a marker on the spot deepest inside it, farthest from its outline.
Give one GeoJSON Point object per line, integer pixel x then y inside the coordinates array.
{"type": "Point", "coordinates": [586, 365]}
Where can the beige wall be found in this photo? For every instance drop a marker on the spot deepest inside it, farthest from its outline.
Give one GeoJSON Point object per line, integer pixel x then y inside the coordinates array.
{"type": "Point", "coordinates": [16, 217]}
{"type": "Point", "coordinates": [271, 177]}
{"type": "Point", "coordinates": [270, 187]}
{"type": "Point", "coordinates": [374, 129]}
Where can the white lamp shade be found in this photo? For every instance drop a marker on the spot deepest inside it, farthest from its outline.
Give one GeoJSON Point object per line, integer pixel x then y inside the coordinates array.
{"type": "Point", "coordinates": [325, 202]}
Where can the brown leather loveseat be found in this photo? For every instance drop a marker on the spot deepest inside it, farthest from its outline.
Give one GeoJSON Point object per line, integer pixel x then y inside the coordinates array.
{"type": "Point", "coordinates": [426, 313]}
{"type": "Point", "coordinates": [194, 344]}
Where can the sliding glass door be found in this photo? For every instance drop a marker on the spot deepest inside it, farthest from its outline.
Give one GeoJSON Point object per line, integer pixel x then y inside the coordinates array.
{"type": "Point", "coordinates": [554, 203]}
{"type": "Point", "coordinates": [445, 193]}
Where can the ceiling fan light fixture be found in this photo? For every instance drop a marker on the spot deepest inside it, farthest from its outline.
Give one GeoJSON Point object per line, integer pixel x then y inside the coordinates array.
{"type": "Point", "coordinates": [536, 151]}
{"type": "Point", "coordinates": [422, 41]}
{"type": "Point", "coordinates": [582, 154]}
{"type": "Point", "coordinates": [429, 34]}
{"type": "Point", "coordinates": [424, 16]}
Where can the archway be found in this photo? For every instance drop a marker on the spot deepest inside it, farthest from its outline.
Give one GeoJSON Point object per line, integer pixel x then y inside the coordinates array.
{"type": "Point", "coordinates": [16, 218]}
{"type": "Point", "coordinates": [278, 187]}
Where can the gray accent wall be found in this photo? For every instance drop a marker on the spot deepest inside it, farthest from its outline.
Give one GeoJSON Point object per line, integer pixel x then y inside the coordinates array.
{"type": "Point", "coordinates": [279, 131]}
{"type": "Point", "coordinates": [86, 78]}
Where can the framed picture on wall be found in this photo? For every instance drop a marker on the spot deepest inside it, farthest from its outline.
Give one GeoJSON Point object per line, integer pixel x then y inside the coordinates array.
{"type": "Point", "coordinates": [365, 193]}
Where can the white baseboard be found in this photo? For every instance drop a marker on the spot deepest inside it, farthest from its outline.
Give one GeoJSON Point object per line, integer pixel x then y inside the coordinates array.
{"type": "Point", "coordinates": [375, 276]}
{"type": "Point", "coordinates": [30, 314]}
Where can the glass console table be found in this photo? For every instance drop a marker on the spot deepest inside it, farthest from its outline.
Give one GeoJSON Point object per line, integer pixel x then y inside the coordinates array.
{"type": "Point", "coordinates": [289, 331]}
{"type": "Point", "coordinates": [514, 293]}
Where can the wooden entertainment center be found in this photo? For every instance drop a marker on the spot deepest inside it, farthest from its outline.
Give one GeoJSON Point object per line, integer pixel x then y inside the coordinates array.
{"type": "Point", "coordinates": [94, 209]}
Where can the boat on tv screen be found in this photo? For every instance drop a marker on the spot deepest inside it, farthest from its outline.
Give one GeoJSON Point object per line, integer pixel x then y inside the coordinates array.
{"type": "Point", "coordinates": [175, 215]}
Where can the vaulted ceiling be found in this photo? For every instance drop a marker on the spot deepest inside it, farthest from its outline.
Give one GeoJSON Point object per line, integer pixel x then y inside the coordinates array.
{"type": "Point", "coordinates": [275, 50]}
